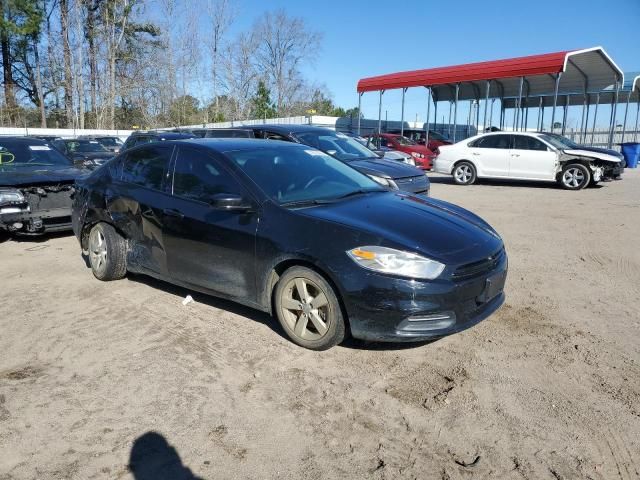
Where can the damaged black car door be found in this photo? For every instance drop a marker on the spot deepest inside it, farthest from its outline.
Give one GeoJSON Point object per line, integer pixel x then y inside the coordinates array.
{"type": "Point", "coordinates": [209, 232]}
{"type": "Point", "coordinates": [137, 202]}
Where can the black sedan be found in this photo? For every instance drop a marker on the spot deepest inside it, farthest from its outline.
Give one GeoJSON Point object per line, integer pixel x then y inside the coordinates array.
{"type": "Point", "coordinates": [389, 173]}
{"type": "Point", "coordinates": [36, 185]}
{"type": "Point", "coordinates": [84, 153]}
{"type": "Point", "coordinates": [290, 230]}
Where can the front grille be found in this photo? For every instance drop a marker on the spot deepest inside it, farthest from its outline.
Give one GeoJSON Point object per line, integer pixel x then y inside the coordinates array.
{"type": "Point", "coordinates": [481, 267]}
{"type": "Point", "coordinates": [417, 184]}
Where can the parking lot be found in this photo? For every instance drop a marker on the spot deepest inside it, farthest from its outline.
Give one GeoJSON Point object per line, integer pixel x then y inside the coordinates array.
{"type": "Point", "coordinates": [549, 387]}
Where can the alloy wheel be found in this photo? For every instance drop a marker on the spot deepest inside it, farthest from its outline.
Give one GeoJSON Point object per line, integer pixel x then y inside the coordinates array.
{"type": "Point", "coordinates": [305, 309]}
{"type": "Point", "coordinates": [463, 173]}
{"type": "Point", "coordinates": [573, 177]}
{"type": "Point", "coordinates": [98, 250]}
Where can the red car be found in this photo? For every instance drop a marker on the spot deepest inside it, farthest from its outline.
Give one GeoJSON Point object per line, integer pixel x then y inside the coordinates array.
{"type": "Point", "coordinates": [435, 139]}
{"type": "Point", "coordinates": [421, 154]}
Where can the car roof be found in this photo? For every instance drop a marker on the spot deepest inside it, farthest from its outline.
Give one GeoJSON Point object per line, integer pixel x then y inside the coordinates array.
{"type": "Point", "coordinates": [25, 140]}
{"type": "Point", "coordinates": [167, 135]}
{"type": "Point", "coordinates": [238, 144]}
{"type": "Point", "coordinates": [287, 128]}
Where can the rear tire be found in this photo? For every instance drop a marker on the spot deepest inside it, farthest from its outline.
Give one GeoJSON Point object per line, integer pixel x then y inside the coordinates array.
{"type": "Point", "coordinates": [464, 173]}
{"type": "Point", "coordinates": [575, 176]}
{"type": "Point", "coordinates": [107, 253]}
{"type": "Point", "coordinates": [308, 309]}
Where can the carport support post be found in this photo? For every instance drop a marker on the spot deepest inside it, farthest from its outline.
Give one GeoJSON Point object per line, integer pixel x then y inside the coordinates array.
{"type": "Point", "coordinates": [612, 126]}
{"type": "Point", "coordinates": [486, 104]}
{"type": "Point", "coordinates": [635, 132]}
{"type": "Point", "coordinates": [404, 90]}
{"type": "Point", "coordinates": [455, 113]}
{"type": "Point", "coordinates": [564, 114]}
{"type": "Point", "coordinates": [586, 122]}
{"type": "Point", "coordinates": [555, 100]}
{"type": "Point", "coordinates": [435, 111]}
{"type": "Point", "coordinates": [516, 114]}
{"type": "Point", "coordinates": [449, 126]}
{"type": "Point", "coordinates": [595, 116]}
{"type": "Point", "coordinates": [380, 113]}
{"type": "Point", "coordinates": [490, 114]}
{"type": "Point", "coordinates": [538, 125]}
{"type": "Point", "coordinates": [359, 111]}
{"type": "Point", "coordinates": [426, 136]}
{"type": "Point", "coordinates": [584, 107]}
{"type": "Point", "coordinates": [626, 111]}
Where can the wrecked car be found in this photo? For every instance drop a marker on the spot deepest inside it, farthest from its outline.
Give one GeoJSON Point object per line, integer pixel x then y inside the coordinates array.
{"type": "Point", "coordinates": [526, 156]}
{"type": "Point", "coordinates": [290, 230]}
{"type": "Point", "coordinates": [36, 187]}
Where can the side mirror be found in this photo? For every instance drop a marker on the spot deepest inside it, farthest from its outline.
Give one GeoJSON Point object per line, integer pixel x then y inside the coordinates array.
{"type": "Point", "coordinates": [230, 202]}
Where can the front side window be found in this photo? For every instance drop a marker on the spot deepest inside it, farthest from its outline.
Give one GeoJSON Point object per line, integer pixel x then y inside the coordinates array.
{"type": "Point", "coordinates": [493, 141]}
{"type": "Point", "coordinates": [300, 174]}
{"type": "Point", "coordinates": [147, 166]}
{"type": "Point", "coordinates": [524, 142]}
{"type": "Point", "coordinates": [200, 177]}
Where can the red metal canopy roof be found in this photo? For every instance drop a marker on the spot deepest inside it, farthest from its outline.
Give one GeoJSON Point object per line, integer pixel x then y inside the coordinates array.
{"type": "Point", "coordinates": [590, 68]}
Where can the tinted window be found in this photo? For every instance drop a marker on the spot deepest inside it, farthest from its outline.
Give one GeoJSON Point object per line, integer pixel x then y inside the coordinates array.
{"type": "Point", "coordinates": [337, 145]}
{"type": "Point", "coordinates": [147, 167]}
{"type": "Point", "coordinates": [493, 141]}
{"type": "Point", "coordinates": [275, 136]}
{"type": "Point", "coordinates": [524, 142]}
{"type": "Point", "coordinates": [199, 177]}
{"type": "Point", "coordinates": [142, 140]}
{"type": "Point", "coordinates": [300, 174]}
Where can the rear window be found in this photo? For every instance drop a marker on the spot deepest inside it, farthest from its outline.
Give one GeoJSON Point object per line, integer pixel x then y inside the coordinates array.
{"type": "Point", "coordinates": [147, 166]}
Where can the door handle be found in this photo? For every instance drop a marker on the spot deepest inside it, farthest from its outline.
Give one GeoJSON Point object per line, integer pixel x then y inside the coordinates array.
{"type": "Point", "coordinates": [475, 153]}
{"type": "Point", "coordinates": [170, 212]}
{"type": "Point", "coordinates": [515, 154]}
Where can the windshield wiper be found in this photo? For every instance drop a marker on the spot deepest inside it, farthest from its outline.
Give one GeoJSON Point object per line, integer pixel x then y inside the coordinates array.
{"type": "Point", "coordinates": [362, 191]}
{"type": "Point", "coordinates": [304, 203]}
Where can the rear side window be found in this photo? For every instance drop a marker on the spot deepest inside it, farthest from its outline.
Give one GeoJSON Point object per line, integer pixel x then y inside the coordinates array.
{"type": "Point", "coordinates": [524, 142]}
{"type": "Point", "coordinates": [147, 166]}
{"type": "Point", "coordinates": [493, 141]}
{"type": "Point", "coordinates": [200, 177]}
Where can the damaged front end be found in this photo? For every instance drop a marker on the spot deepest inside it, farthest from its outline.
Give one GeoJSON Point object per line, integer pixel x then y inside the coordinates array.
{"type": "Point", "coordinates": [603, 166]}
{"type": "Point", "coordinates": [36, 209]}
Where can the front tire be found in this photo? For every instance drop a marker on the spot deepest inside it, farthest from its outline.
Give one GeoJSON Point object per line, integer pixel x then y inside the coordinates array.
{"type": "Point", "coordinates": [464, 173]}
{"type": "Point", "coordinates": [575, 176]}
{"type": "Point", "coordinates": [308, 309]}
{"type": "Point", "coordinates": [107, 253]}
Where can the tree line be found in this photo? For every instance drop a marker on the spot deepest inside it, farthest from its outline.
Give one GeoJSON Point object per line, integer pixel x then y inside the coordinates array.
{"type": "Point", "coordinates": [150, 63]}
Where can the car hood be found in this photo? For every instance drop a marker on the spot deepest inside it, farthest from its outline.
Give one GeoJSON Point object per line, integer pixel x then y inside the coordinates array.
{"type": "Point", "coordinates": [606, 151]}
{"type": "Point", "coordinates": [385, 168]}
{"type": "Point", "coordinates": [593, 153]}
{"type": "Point", "coordinates": [436, 229]}
{"type": "Point", "coordinates": [38, 174]}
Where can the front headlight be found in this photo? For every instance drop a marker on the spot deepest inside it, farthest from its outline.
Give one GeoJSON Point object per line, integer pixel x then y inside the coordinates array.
{"type": "Point", "coordinates": [11, 196]}
{"type": "Point", "coordinates": [417, 155]}
{"type": "Point", "coordinates": [396, 262]}
{"type": "Point", "coordinates": [387, 182]}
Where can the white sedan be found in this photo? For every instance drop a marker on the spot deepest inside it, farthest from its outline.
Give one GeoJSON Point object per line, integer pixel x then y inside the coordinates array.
{"type": "Point", "coordinates": [526, 156]}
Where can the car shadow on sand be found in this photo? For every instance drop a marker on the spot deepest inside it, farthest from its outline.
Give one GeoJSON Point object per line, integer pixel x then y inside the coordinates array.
{"type": "Point", "coordinates": [257, 315]}
{"type": "Point", "coordinates": [447, 180]}
{"type": "Point", "coordinates": [153, 458]}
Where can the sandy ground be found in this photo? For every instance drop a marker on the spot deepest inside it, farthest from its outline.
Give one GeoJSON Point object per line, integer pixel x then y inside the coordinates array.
{"type": "Point", "coordinates": [120, 380]}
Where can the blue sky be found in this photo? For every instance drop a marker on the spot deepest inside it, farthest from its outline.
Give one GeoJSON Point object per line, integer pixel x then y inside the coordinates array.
{"type": "Point", "coordinates": [364, 38]}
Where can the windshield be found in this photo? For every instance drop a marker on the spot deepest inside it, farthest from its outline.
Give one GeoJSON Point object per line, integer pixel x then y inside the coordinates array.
{"type": "Point", "coordinates": [110, 141]}
{"type": "Point", "coordinates": [337, 145]}
{"type": "Point", "coordinates": [296, 175]}
{"type": "Point", "coordinates": [558, 141]}
{"type": "Point", "coordinates": [85, 147]}
{"type": "Point", "coordinates": [22, 153]}
{"type": "Point", "coordinates": [404, 141]}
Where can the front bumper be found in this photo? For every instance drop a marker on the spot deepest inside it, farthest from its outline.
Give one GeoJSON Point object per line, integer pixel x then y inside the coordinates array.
{"type": "Point", "coordinates": [382, 308]}
{"type": "Point", "coordinates": [43, 221]}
